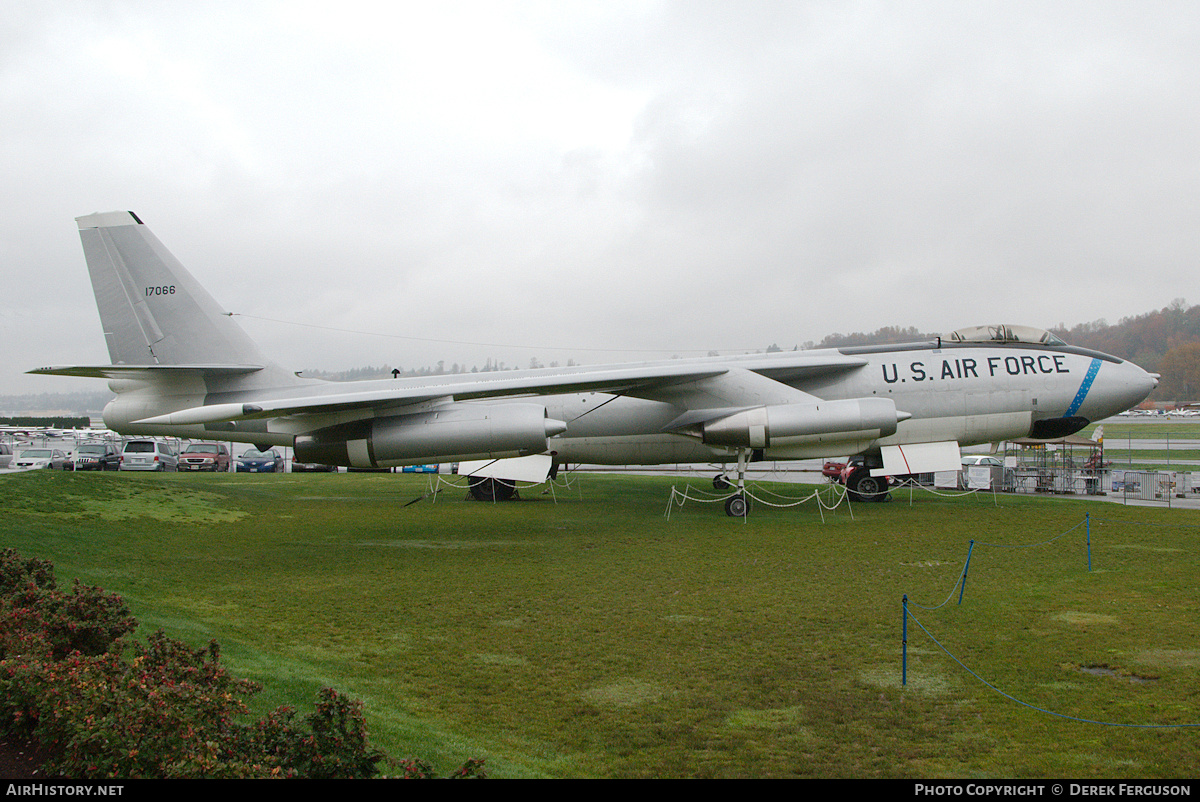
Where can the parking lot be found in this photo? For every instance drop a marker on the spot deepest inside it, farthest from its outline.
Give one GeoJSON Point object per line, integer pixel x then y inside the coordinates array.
{"type": "Point", "coordinates": [99, 450]}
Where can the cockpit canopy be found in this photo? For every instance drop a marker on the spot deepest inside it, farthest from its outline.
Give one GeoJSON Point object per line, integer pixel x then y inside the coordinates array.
{"type": "Point", "coordinates": [1004, 334]}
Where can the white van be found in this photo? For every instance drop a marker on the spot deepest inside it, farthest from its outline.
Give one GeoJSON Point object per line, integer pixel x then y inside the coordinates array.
{"type": "Point", "coordinates": [148, 455]}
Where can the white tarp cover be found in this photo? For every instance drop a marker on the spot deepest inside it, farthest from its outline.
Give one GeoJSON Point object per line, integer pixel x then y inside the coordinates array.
{"type": "Point", "coordinates": [920, 458]}
{"type": "Point", "coordinates": [533, 469]}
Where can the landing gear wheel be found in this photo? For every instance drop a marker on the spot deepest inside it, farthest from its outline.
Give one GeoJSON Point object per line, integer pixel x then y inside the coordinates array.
{"type": "Point", "coordinates": [486, 489]}
{"type": "Point", "coordinates": [865, 487]}
{"type": "Point", "coordinates": [737, 507]}
{"type": "Point", "coordinates": [720, 482]}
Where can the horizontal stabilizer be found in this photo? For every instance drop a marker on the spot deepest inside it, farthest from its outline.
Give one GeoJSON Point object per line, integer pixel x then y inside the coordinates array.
{"type": "Point", "coordinates": [144, 372]}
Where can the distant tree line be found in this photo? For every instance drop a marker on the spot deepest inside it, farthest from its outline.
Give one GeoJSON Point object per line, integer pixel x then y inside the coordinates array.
{"type": "Point", "coordinates": [1165, 342]}
{"type": "Point", "coordinates": [75, 402]}
{"type": "Point", "coordinates": [882, 336]}
{"type": "Point", "coordinates": [440, 369]}
{"type": "Point", "coordinates": [53, 423]}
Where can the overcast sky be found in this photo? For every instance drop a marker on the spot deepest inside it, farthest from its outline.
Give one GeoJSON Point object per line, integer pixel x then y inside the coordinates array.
{"type": "Point", "coordinates": [608, 181]}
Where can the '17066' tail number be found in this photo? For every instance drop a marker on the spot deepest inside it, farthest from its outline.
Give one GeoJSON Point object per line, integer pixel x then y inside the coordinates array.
{"type": "Point", "coordinates": [168, 289]}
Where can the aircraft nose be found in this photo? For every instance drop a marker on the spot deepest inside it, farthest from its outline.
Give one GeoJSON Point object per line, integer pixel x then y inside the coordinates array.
{"type": "Point", "coordinates": [1130, 386]}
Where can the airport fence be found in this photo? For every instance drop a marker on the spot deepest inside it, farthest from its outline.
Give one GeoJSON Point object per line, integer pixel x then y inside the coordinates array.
{"type": "Point", "coordinates": [1165, 487]}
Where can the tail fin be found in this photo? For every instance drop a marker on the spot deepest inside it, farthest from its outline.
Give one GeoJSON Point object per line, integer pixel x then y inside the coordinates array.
{"type": "Point", "coordinates": [152, 310]}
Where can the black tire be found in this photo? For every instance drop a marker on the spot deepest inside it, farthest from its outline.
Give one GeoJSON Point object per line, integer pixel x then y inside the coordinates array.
{"type": "Point", "coordinates": [485, 489]}
{"type": "Point", "coordinates": [737, 506]}
{"type": "Point", "coordinates": [865, 487]}
{"type": "Point", "coordinates": [720, 482]}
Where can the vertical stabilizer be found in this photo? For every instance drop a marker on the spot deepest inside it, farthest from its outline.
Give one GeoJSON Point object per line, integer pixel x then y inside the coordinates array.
{"type": "Point", "coordinates": [152, 310]}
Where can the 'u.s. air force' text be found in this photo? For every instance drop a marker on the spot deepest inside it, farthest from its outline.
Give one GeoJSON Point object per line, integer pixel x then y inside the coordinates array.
{"type": "Point", "coordinates": [967, 368]}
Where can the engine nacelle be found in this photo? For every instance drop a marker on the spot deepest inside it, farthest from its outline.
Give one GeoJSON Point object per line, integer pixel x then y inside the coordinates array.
{"type": "Point", "coordinates": [449, 433]}
{"type": "Point", "coordinates": [824, 421]}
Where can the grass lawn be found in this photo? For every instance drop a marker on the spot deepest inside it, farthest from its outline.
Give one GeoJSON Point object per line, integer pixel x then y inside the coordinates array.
{"type": "Point", "coordinates": [593, 637]}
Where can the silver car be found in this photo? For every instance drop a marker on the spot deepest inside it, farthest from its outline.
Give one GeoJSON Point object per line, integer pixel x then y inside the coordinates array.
{"type": "Point", "coordinates": [148, 455]}
{"type": "Point", "coordinates": [33, 458]}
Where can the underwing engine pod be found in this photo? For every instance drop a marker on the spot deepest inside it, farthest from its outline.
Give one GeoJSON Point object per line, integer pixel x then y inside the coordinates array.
{"type": "Point", "coordinates": [787, 424]}
{"type": "Point", "coordinates": [457, 431]}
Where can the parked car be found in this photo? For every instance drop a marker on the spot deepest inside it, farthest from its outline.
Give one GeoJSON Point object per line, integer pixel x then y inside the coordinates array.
{"type": "Point", "coordinates": [833, 470]}
{"type": "Point", "coordinates": [980, 459]}
{"type": "Point", "coordinates": [148, 455]}
{"type": "Point", "coordinates": [205, 457]}
{"type": "Point", "coordinates": [97, 457]}
{"type": "Point", "coordinates": [6, 455]}
{"type": "Point", "coordinates": [34, 458]}
{"type": "Point", "coordinates": [310, 467]}
{"type": "Point", "coordinates": [860, 484]}
{"type": "Point", "coordinates": [255, 461]}
{"type": "Point", "coordinates": [1001, 478]}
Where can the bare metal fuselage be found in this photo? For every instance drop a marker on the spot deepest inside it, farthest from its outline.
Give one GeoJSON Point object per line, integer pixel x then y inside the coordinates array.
{"type": "Point", "coordinates": [966, 393]}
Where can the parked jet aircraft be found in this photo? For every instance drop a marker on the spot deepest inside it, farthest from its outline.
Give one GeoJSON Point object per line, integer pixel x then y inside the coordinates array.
{"type": "Point", "coordinates": [182, 367]}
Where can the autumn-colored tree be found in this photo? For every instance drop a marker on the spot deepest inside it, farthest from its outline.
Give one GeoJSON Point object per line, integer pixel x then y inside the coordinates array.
{"type": "Point", "coordinates": [1180, 371]}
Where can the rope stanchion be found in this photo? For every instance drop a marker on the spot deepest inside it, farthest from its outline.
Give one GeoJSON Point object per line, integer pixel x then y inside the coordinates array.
{"type": "Point", "coordinates": [437, 484]}
{"type": "Point", "coordinates": [960, 585]}
{"type": "Point", "coordinates": [760, 494]}
{"type": "Point", "coordinates": [1010, 697]}
{"type": "Point", "coordinates": [933, 491]}
{"type": "Point", "coordinates": [962, 579]}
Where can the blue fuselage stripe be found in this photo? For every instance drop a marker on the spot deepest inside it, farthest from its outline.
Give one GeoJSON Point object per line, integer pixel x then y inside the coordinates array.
{"type": "Point", "coordinates": [1092, 370]}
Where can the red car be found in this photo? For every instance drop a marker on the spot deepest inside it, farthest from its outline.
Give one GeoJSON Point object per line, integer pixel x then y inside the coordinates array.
{"type": "Point", "coordinates": [833, 470]}
{"type": "Point", "coordinates": [856, 476]}
{"type": "Point", "coordinates": [205, 457]}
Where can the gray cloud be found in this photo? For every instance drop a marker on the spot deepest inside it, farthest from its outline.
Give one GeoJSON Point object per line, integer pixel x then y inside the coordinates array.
{"type": "Point", "coordinates": [603, 178]}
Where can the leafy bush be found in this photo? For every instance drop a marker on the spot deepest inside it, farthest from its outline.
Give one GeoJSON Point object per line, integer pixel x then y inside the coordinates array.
{"type": "Point", "coordinates": [38, 618]}
{"type": "Point", "coordinates": [332, 745]}
{"type": "Point", "coordinates": [86, 620]}
{"type": "Point", "coordinates": [112, 709]}
{"type": "Point", "coordinates": [16, 572]}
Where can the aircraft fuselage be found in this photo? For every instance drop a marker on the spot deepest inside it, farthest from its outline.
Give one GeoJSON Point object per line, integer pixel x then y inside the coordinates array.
{"type": "Point", "coordinates": [967, 393]}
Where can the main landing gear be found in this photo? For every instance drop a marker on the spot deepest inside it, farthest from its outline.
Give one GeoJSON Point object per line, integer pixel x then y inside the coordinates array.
{"type": "Point", "coordinates": [862, 486]}
{"type": "Point", "coordinates": [488, 489]}
{"type": "Point", "coordinates": [737, 505]}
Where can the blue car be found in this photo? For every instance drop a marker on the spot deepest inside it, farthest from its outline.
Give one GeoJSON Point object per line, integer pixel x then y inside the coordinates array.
{"type": "Point", "coordinates": [254, 461]}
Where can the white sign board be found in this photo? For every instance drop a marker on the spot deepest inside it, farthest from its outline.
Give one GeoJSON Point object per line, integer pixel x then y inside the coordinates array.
{"type": "Point", "coordinates": [945, 480]}
{"type": "Point", "coordinates": [979, 477]}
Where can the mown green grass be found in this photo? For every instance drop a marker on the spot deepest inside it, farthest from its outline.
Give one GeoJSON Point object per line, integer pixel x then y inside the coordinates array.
{"type": "Point", "coordinates": [593, 637]}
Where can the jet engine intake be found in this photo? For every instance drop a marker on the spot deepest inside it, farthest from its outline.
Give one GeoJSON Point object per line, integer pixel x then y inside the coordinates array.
{"type": "Point", "coordinates": [829, 421]}
{"type": "Point", "coordinates": [453, 432]}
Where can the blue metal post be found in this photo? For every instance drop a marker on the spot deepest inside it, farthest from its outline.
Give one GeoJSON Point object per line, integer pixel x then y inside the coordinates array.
{"type": "Point", "coordinates": [904, 644]}
{"type": "Point", "coordinates": [1087, 517]}
{"type": "Point", "coordinates": [966, 568]}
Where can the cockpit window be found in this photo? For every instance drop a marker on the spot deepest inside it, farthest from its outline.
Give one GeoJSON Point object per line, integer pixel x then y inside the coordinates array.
{"type": "Point", "coordinates": [1004, 334]}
